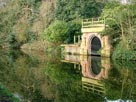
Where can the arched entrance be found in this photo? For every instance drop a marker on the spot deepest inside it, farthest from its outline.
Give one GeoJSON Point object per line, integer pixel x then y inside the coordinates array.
{"type": "Point", "coordinates": [95, 46]}
{"type": "Point", "coordinates": [95, 65]}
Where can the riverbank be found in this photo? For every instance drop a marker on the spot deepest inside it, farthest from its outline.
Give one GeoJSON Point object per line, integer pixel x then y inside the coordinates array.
{"type": "Point", "coordinates": [37, 45]}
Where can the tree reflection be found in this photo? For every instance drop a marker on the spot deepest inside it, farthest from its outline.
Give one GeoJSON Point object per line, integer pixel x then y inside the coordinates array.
{"type": "Point", "coordinates": [116, 81]}
{"type": "Point", "coordinates": [40, 77]}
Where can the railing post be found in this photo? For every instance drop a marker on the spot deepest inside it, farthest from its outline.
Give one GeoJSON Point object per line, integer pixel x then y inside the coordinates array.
{"type": "Point", "coordinates": [104, 20]}
{"type": "Point", "coordinates": [82, 23]}
{"type": "Point", "coordinates": [74, 39]}
{"type": "Point", "coordinates": [78, 38]}
{"type": "Point", "coordinates": [74, 66]}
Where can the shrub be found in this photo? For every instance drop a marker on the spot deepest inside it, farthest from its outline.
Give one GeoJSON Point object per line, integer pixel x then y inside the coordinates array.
{"type": "Point", "coordinates": [56, 32]}
{"type": "Point", "coordinates": [124, 53]}
{"type": "Point", "coordinates": [62, 32]}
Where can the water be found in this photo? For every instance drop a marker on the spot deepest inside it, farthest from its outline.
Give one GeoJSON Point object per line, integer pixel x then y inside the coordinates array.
{"type": "Point", "coordinates": [38, 77]}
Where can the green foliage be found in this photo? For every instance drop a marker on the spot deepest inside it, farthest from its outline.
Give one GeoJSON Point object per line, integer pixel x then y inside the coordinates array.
{"type": "Point", "coordinates": [11, 39]}
{"type": "Point", "coordinates": [56, 32]}
{"type": "Point", "coordinates": [113, 29]}
{"type": "Point", "coordinates": [132, 43]}
{"type": "Point", "coordinates": [74, 29]}
{"type": "Point", "coordinates": [72, 12]}
{"type": "Point", "coordinates": [6, 95]}
{"type": "Point", "coordinates": [38, 81]}
{"type": "Point", "coordinates": [75, 9]}
{"type": "Point", "coordinates": [29, 3]}
{"type": "Point", "coordinates": [8, 18]}
{"type": "Point", "coordinates": [123, 53]}
{"type": "Point", "coordinates": [67, 10]}
{"type": "Point", "coordinates": [16, 14]}
{"type": "Point", "coordinates": [31, 36]}
{"type": "Point", "coordinates": [124, 64]}
{"type": "Point", "coordinates": [19, 16]}
{"type": "Point", "coordinates": [91, 8]}
{"type": "Point", "coordinates": [121, 21]}
{"type": "Point", "coordinates": [62, 32]}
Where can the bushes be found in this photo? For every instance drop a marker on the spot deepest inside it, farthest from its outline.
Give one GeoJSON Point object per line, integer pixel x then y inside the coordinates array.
{"type": "Point", "coordinates": [77, 9]}
{"type": "Point", "coordinates": [56, 32]}
{"type": "Point", "coordinates": [11, 39]}
{"type": "Point", "coordinates": [18, 17]}
{"type": "Point", "coordinates": [6, 95]}
{"type": "Point", "coordinates": [69, 14]}
{"type": "Point", "coordinates": [74, 29]}
{"type": "Point", "coordinates": [21, 16]}
{"type": "Point", "coordinates": [121, 23]}
{"type": "Point", "coordinates": [62, 32]}
{"type": "Point", "coordinates": [124, 53]}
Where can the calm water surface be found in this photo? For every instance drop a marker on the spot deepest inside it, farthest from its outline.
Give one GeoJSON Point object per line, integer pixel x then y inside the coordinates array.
{"type": "Point", "coordinates": [38, 77]}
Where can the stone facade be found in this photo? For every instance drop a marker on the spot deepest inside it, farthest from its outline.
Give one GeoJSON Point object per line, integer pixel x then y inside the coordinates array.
{"type": "Point", "coordinates": [92, 42]}
{"type": "Point", "coordinates": [85, 48]}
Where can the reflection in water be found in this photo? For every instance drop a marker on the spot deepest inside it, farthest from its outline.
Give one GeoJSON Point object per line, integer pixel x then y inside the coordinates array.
{"type": "Point", "coordinates": [6, 95]}
{"type": "Point", "coordinates": [39, 77]}
{"type": "Point", "coordinates": [24, 77]}
{"type": "Point", "coordinates": [96, 65]}
{"type": "Point", "coordinates": [92, 85]}
{"type": "Point", "coordinates": [94, 69]}
{"type": "Point", "coordinates": [98, 77]}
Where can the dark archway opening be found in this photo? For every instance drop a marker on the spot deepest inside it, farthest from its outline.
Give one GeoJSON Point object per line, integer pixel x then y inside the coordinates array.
{"type": "Point", "coordinates": [95, 65]}
{"type": "Point", "coordinates": [95, 46]}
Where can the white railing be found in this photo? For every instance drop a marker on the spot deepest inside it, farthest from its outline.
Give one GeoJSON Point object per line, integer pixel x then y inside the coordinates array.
{"type": "Point", "coordinates": [93, 22]}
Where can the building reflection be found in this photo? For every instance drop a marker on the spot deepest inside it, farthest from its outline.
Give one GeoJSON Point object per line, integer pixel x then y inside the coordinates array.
{"type": "Point", "coordinates": [94, 69]}
{"type": "Point", "coordinates": [93, 85]}
{"type": "Point", "coordinates": [120, 79]}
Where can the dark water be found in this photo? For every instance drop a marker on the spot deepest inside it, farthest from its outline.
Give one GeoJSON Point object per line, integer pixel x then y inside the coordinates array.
{"type": "Point", "coordinates": [39, 77]}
